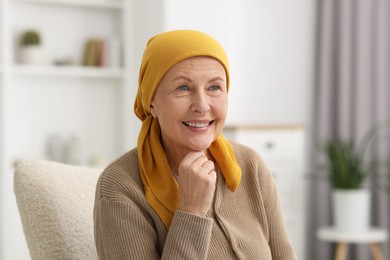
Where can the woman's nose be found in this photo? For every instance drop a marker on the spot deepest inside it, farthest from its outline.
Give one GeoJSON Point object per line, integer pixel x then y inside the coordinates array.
{"type": "Point", "coordinates": [200, 103]}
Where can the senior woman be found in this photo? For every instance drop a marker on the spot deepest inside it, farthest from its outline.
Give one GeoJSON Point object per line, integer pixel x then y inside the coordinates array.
{"type": "Point", "coordinates": [186, 192]}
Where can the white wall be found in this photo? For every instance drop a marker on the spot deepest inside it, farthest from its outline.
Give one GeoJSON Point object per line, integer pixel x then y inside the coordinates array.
{"type": "Point", "coordinates": [147, 20]}
{"type": "Point", "coordinates": [271, 49]}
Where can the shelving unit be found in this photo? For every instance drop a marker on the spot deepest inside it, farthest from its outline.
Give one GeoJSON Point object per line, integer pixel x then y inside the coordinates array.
{"type": "Point", "coordinates": [67, 71]}
{"type": "Point", "coordinates": [38, 102]}
{"type": "Point", "coordinates": [64, 26]}
{"type": "Point", "coordinates": [104, 4]}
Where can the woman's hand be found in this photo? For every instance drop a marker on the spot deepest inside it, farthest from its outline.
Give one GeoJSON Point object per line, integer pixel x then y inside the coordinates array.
{"type": "Point", "coordinates": [197, 179]}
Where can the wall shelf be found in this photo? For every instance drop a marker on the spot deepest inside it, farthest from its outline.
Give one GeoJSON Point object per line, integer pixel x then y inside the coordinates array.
{"type": "Point", "coordinates": [105, 4]}
{"type": "Point", "coordinates": [67, 71]}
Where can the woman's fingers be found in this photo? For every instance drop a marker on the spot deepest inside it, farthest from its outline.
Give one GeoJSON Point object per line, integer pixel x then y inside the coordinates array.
{"type": "Point", "coordinates": [203, 165]}
{"type": "Point", "coordinates": [197, 179]}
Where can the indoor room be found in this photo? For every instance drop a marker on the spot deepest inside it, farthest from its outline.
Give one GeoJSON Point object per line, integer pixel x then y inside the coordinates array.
{"type": "Point", "coordinates": [308, 91]}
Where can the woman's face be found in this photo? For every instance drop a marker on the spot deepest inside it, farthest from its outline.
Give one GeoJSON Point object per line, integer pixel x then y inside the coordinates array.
{"type": "Point", "coordinates": [191, 105]}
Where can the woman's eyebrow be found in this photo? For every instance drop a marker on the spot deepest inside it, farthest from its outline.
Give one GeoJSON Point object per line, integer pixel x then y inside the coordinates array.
{"type": "Point", "coordinates": [216, 79]}
{"type": "Point", "coordinates": [181, 77]}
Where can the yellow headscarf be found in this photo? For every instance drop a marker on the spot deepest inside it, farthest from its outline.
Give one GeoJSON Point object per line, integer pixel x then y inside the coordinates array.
{"type": "Point", "coordinates": [162, 52]}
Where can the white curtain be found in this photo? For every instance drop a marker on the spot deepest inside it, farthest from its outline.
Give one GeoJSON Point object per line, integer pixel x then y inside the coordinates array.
{"type": "Point", "coordinates": [352, 93]}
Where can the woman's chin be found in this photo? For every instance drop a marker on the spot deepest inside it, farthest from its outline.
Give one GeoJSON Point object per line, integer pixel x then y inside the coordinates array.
{"type": "Point", "coordinates": [200, 146]}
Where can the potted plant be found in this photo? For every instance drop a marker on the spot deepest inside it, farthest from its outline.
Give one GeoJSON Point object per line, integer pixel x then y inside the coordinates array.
{"type": "Point", "coordinates": [31, 51]}
{"type": "Point", "coordinates": [349, 167]}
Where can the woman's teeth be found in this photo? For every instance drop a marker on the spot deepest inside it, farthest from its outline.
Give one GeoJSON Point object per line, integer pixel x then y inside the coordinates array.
{"type": "Point", "coordinates": [197, 125]}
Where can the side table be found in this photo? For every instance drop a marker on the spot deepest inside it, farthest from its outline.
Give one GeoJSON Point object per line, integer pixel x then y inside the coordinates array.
{"type": "Point", "coordinates": [373, 236]}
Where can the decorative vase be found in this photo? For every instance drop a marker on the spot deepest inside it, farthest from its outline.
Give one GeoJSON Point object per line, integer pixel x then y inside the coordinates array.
{"type": "Point", "coordinates": [351, 210]}
{"type": "Point", "coordinates": [31, 54]}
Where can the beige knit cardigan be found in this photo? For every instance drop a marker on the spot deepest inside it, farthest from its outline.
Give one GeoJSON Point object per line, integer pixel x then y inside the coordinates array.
{"type": "Point", "coordinates": [246, 224]}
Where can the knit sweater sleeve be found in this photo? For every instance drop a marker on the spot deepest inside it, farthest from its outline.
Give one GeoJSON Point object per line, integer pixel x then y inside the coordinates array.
{"type": "Point", "coordinates": [127, 228]}
{"type": "Point", "coordinates": [123, 233]}
{"type": "Point", "coordinates": [188, 237]}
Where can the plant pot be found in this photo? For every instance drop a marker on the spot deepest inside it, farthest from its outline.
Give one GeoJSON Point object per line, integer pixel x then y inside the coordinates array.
{"type": "Point", "coordinates": [351, 210]}
{"type": "Point", "coordinates": [31, 55]}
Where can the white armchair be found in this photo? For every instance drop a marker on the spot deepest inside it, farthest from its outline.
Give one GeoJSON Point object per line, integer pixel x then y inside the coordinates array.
{"type": "Point", "coordinates": [55, 203]}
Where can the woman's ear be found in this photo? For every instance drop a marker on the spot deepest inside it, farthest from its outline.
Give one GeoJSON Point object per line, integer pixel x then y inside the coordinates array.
{"type": "Point", "coordinates": [152, 111]}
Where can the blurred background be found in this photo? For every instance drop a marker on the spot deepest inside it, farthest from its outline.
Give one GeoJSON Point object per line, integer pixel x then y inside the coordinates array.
{"type": "Point", "coordinates": [301, 71]}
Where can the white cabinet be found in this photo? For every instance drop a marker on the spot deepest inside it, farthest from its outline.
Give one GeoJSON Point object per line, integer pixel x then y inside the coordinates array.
{"type": "Point", "coordinates": [282, 149]}
{"type": "Point", "coordinates": [40, 101]}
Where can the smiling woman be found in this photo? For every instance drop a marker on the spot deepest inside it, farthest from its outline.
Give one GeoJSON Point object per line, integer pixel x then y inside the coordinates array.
{"type": "Point", "coordinates": [186, 192]}
{"type": "Point", "coordinates": [191, 109]}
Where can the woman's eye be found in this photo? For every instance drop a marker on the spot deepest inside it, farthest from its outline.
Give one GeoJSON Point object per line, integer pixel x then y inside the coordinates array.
{"type": "Point", "coordinates": [182, 88]}
{"type": "Point", "coordinates": [215, 88]}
